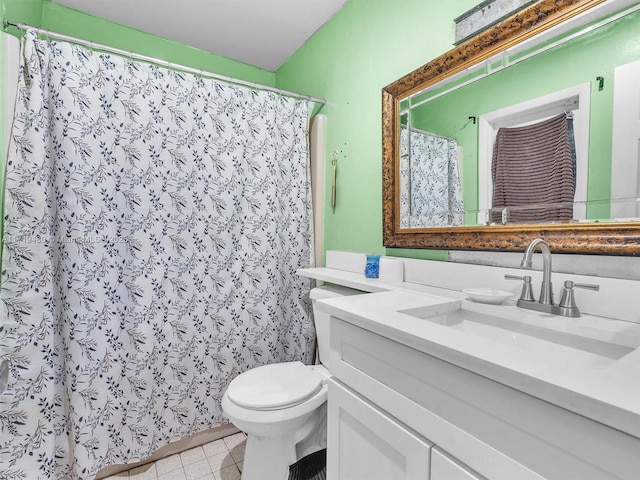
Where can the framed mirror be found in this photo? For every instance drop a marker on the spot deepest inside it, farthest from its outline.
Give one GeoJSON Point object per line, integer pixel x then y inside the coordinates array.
{"type": "Point", "coordinates": [530, 129]}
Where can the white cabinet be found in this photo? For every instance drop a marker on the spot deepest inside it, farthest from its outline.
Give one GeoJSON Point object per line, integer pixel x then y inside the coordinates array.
{"type": "Point", "coordinates": [366, 444]}
{"type": "Point", "coordinates": [445, 468]}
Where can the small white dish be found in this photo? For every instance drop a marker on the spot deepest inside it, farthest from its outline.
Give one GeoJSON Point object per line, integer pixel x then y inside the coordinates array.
{"type": "Point", "coordinates": [487, 295]}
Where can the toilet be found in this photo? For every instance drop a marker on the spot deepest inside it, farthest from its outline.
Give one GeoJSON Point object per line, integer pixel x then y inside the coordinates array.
{"type": "Point", "coordinates": [283, 407]}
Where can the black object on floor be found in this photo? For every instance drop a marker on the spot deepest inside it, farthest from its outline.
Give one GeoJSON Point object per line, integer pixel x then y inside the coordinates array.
{"type": "Point", "coordinates": [311, 467]}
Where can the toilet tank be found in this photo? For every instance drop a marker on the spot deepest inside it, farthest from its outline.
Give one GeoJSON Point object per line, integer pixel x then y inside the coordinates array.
{"type": "Point", "coordinates": [321, 319]}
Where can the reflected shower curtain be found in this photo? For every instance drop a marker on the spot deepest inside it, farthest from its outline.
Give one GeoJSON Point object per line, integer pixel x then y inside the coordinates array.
{"type": "Point", "coordinates": [154, 222]}
{"type": "Point", "coordinates": [430, 190]}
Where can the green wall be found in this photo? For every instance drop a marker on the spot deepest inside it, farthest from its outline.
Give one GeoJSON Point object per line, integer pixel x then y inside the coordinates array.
{"type": "Point", "coordinates": [22, 11]}
{"type": "Point", "coordinates": [364, 47]}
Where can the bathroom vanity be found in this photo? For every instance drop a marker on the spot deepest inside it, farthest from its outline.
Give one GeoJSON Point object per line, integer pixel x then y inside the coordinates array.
{"type": "Point", "coordinates": [428, 384]}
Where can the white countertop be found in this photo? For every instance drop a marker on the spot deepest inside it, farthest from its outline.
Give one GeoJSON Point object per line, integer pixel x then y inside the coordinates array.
{"type": "Point", "coordinates": [604, 389]}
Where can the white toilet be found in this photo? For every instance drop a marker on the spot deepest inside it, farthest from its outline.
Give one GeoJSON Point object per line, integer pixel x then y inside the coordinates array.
{"type": "Point", "coordinates": [283, 407]}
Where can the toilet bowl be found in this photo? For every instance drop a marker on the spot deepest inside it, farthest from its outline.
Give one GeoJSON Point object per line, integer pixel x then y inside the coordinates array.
{"type": "Point", "coordinates": [282, 407]}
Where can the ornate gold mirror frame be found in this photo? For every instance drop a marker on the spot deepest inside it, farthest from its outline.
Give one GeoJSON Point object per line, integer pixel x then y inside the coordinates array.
{"type": "Point", "coordinates": [607, 238]}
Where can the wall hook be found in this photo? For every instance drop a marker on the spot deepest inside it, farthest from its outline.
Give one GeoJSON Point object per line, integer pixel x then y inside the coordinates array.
{"type": "Point", "coordinates": [600, 81]}
{"type": "Point", "coordinates": [472, 118]}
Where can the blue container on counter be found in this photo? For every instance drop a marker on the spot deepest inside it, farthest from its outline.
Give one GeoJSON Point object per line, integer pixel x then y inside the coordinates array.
{"type": "Point", "coordinates": [372, 268]}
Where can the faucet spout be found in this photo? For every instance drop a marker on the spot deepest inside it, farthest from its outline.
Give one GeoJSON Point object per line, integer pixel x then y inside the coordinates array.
{"type": "Point", "coordinates": [546, 293]}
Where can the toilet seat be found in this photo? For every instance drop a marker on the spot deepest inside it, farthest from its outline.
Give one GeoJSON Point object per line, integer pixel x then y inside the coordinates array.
{"type": "Point", "coordinates": [274, 387]}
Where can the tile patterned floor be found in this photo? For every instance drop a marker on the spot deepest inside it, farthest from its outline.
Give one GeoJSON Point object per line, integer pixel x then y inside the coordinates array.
{"type": "Point", "coordinates": [219, 460]}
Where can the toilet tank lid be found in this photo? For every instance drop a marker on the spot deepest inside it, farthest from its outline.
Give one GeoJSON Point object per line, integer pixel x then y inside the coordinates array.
{"type": "Point", "coordinates": [331, 291]}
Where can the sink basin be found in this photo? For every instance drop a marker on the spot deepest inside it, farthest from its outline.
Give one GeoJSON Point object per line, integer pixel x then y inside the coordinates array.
{"type": "Point", "coordinates": [555, 345]}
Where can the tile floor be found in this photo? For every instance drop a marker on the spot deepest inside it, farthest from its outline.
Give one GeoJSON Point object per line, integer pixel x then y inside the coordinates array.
{"type": "Point", "coordinates": [218, 460]}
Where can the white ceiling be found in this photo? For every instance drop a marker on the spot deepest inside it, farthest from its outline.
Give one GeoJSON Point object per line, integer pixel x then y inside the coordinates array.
{"type": "Point", "coordinates": [262, 33]}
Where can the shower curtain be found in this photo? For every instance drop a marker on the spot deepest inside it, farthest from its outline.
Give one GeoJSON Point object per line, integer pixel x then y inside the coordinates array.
{"type": "Point", "coordinates": [431, 193]}
{"type": "Point", "coordinates": [154, 222]}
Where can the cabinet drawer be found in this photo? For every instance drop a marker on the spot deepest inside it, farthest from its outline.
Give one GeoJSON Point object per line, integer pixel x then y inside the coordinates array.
{"type": "Point", "coordinates": [364, 443]}
{"type": "Point", "coordinates": [498, 431]}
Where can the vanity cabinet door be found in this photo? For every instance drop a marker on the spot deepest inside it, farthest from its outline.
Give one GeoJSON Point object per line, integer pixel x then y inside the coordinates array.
{"type": "Point", "coordinates": [364, 443]}
{"type": "Point", "coordinates": [444, 468]}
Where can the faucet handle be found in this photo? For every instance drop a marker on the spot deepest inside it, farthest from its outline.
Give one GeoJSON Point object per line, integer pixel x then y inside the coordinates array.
{"type": "Point", "coordinates": [517, 277]}
{"type": "Point", "coordinates": [568, 301]}
{"type": "Point", "coordinates": [588, 286]}
{"type": "Point", "coordinates": [527, 291]}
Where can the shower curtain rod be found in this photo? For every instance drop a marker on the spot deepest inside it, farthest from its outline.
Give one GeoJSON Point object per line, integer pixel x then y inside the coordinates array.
{"type": "Point", "coordinates": [164, 63]}
{"type": "Point", "coordinates": [413, 129]}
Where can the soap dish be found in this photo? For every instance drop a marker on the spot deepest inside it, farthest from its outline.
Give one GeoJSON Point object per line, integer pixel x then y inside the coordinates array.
{"type": "Point", "coordinates": [487, 295]}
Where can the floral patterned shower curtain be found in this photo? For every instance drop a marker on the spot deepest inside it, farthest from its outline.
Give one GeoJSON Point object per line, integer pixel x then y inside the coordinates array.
{"type": "Point", "coordinates": [154, 222]}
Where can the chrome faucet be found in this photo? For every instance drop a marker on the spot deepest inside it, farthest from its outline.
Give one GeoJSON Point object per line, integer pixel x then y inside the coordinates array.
{"type": "Point", "coordinates": [567, 306]}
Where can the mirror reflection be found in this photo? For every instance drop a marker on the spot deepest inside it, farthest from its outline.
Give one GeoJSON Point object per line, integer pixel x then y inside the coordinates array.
{"type": "Point", "coordinates": [430, 175]}
{"type": "Point", "coordinates": [547, 134]}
